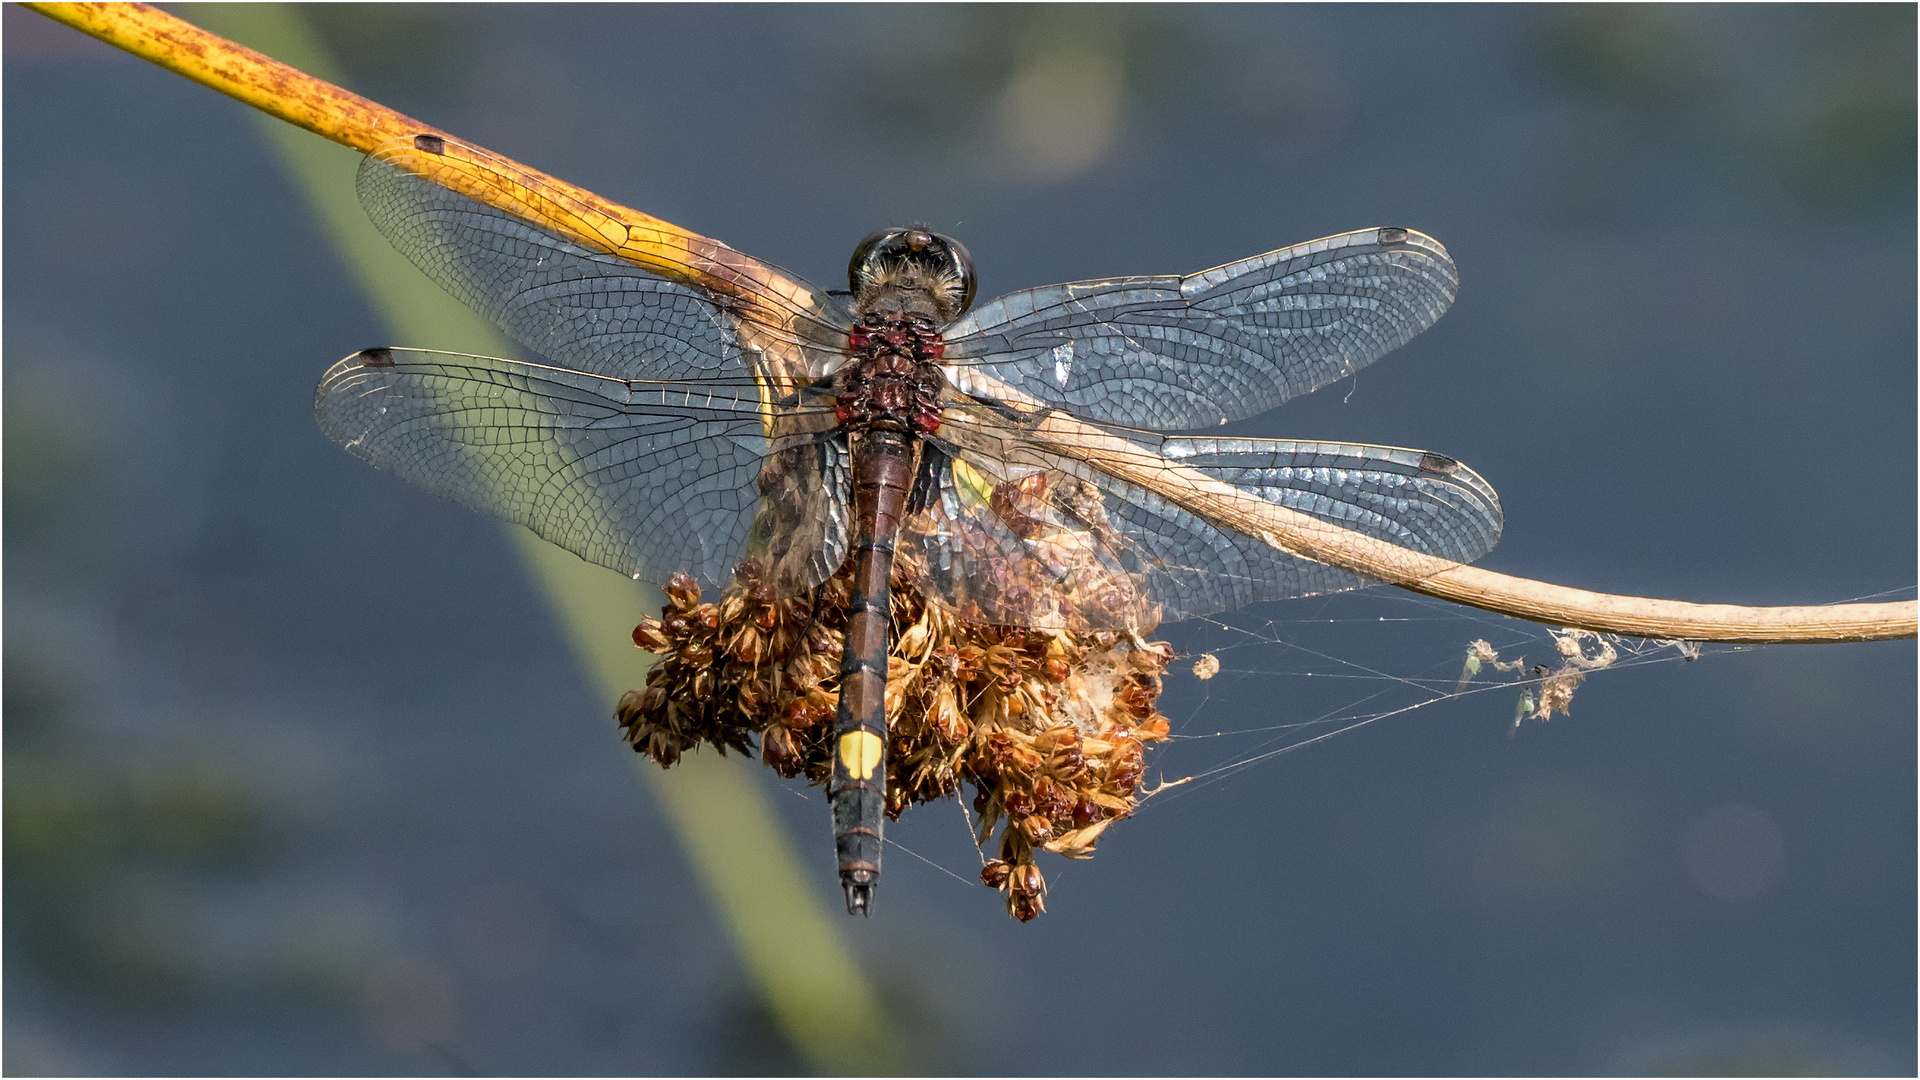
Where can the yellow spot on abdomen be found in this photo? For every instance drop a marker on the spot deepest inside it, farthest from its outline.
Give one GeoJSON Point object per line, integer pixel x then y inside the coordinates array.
{"type": "Point", "coordinates": [860, 751]}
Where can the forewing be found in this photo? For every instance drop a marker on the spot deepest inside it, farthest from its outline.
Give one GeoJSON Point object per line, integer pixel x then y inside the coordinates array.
{"type": "Point", "coordinates": [646, 478]}
{"type": "Point", "coordinates": [560, 275]}
{"type": "Point", "coordinates": [1172, 353]}
{"type": "Point", "coordinates": [1174, 559]}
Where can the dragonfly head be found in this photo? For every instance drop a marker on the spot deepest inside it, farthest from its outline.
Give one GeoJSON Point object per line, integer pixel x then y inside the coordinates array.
{"type": "Point", "coordinates": [912, 268]}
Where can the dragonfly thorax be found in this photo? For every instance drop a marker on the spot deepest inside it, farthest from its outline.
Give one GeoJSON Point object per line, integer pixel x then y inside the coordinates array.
{"type": "Point", "coordinates": [893, 382]}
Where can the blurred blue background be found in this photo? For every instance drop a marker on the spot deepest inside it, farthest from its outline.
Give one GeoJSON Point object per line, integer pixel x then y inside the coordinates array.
{"type": "Point", "coordinates": [302, 778]}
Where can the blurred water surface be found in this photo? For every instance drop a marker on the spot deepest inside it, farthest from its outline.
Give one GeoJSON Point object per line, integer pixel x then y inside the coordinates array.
{"type": "Point", "coordinates": [302, 778]}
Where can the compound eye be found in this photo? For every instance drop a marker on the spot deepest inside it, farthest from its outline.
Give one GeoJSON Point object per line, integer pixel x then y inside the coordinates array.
{"type": "Point", "coordinates": [960, 261]}
{"type": "Point", "coordinates": [860, 268]}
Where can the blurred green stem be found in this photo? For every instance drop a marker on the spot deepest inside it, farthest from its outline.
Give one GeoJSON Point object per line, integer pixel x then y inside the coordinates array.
{"type": "Point", "coordinates": [794, 954]}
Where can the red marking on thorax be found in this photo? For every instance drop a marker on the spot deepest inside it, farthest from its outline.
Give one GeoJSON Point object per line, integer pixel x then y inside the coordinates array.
{"type": "Point", "coordinates": [891, 383]}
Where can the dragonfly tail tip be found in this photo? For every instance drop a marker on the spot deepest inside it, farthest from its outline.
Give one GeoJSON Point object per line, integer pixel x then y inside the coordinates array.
{"type": "Point", "coordinates": [859, 897]}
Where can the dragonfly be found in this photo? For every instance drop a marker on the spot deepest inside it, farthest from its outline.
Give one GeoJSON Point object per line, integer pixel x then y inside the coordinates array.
{"type": "Point", "coordinates": [739, 423]}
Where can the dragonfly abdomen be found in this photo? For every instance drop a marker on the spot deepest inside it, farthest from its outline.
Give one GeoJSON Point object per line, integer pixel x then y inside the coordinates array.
{"type": "Point", "coordinates": [882, 473]}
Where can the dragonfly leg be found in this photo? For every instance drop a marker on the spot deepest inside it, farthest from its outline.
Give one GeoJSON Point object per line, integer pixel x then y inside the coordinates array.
{"type": "Point", "coordinates": [882, 472]}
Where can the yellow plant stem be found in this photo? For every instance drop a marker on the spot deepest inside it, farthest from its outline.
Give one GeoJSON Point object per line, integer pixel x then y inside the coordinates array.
{"type": "Point", "coordinates": [675, 253]}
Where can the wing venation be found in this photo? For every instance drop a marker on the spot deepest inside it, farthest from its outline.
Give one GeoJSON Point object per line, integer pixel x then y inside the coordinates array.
{"type": "Point", "coordinates": [1016, 531]}
{"type": "Point", "coordinates": [1176, 353]}
{"type": "Point", "coordinates": [647, 478]}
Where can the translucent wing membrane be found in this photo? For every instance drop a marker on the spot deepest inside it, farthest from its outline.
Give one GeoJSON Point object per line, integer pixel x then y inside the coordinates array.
{"type": "Point", "coordinates": [1017, 545]}
{"type": "Point", "coordinates": [583, 308]}
{"type": "Point", "coordinates": [1016, 531]}
{"type": "Point", "coordinates": [1172, 353]}
{"type": "Point", "coordinates": [647, 478]}
{"type": "Point", "coordinates": [1413, 499]}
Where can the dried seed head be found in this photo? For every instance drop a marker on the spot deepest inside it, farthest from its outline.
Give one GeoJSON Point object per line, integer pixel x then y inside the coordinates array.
{"type": "Point", "coordinates": [682, 591]}
{"type": "Point", "coordinates": [1046, 726]}
{"type": "Point", "coordinates": [663, 748]}
{"type": "Point", "coordinates": [745, 645]}
{"type": "Point", "coordinates": [1048, 798]}
{"type": "Point", "coordinates": [1027, 879]}
{"type": "Point", "coordinates": [1026, 906]}
{"type": "Point", "coordinates": [949, 723]}
{"type": "Point", "coordinates": [1069, 762]}
{"type": "Point", "coordinates": [629, 705]}
{"type": "Point", "coordinates": [749, 698]}
{"type": "Point", "coordinates": [781, 751]}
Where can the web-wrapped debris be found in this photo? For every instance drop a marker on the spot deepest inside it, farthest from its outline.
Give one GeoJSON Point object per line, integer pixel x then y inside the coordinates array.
{"type": "Point", "coordinates": [1549, 690]}
{"type": "Point", "coordinates": [1047, 727]}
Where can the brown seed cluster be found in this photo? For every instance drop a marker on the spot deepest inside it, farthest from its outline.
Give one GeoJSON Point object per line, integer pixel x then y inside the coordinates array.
{"type": "Point", "coordinates": [1048, 727]}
